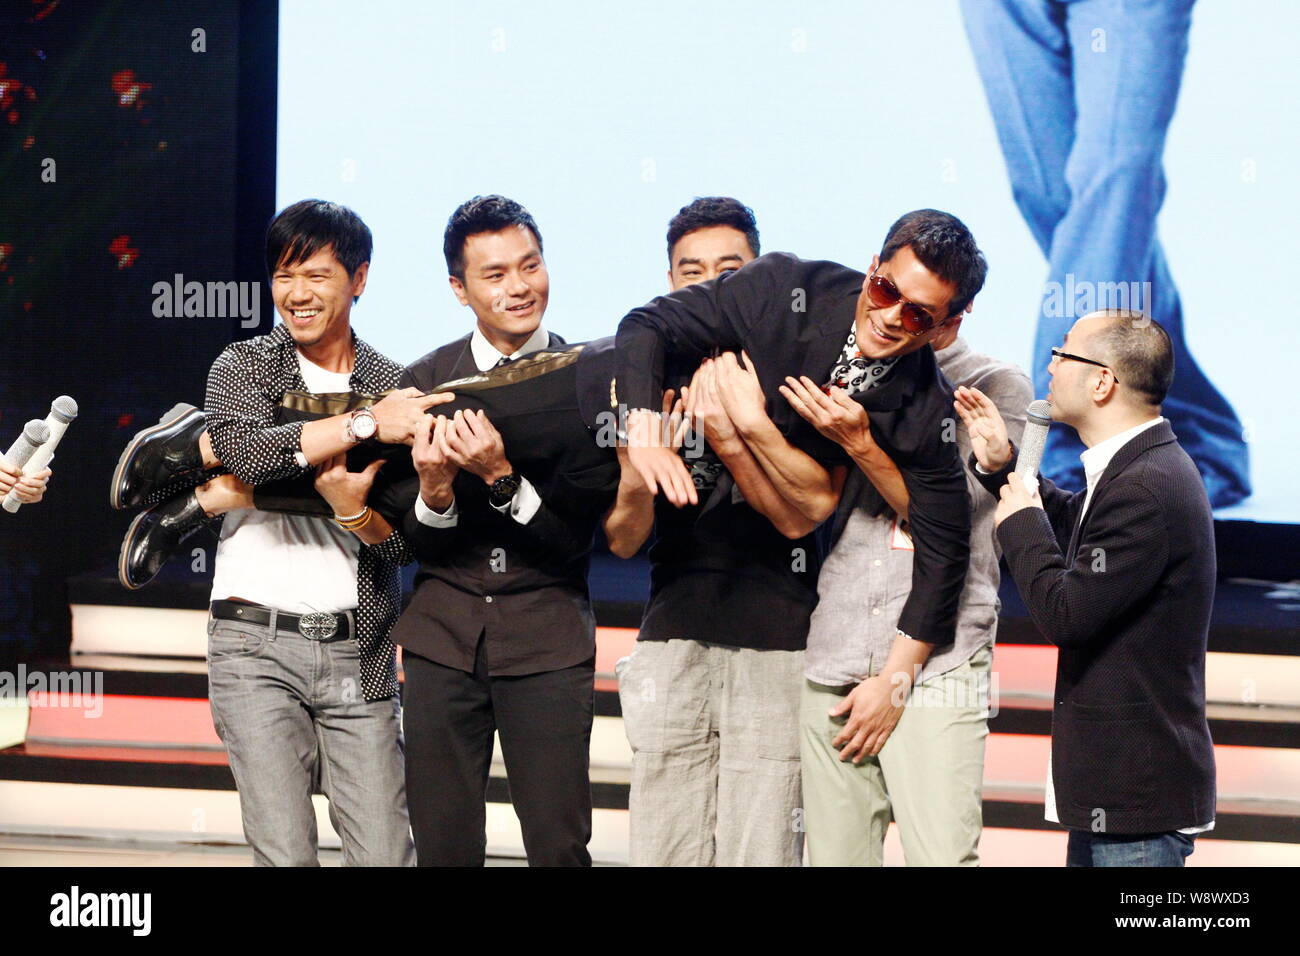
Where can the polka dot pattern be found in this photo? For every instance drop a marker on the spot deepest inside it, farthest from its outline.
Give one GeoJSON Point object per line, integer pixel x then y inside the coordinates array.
{"type": "Point", "coordinates": [245, 386]}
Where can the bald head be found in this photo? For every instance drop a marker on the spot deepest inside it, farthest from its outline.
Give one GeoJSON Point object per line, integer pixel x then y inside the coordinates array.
{"type": "Point", "coordinates": [1137, 349]}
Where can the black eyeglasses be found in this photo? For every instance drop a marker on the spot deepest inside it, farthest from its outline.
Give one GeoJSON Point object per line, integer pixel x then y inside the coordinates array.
{"type": "Point", "coordinates": [1057, 353]}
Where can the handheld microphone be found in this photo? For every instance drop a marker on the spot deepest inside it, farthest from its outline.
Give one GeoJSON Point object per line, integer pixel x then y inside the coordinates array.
{"type": "Point", "coordinates": [62, 411]}
{"type": "Point", "coordinates": [35, 434]}
{"type": "Point", "coordinates": [1038, 419]}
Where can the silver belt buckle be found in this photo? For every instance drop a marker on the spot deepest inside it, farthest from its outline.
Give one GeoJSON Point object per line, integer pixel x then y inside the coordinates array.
{"type": "Point", "coordinates": [318, 625]}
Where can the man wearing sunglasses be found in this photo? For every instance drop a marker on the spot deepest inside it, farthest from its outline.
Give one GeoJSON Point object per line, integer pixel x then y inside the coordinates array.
{"type": "Point", "coordinates": [928, 776]}
{"type": "Point", "coordinates": [1120, 577]}
{"type": "Point", "coordinates": [868, 334]}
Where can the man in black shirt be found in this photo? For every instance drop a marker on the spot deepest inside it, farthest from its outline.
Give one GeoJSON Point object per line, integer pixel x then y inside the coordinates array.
{"type": "Point", "coordinates": [710, 695]}
{"type": "Point", "coordinates": [868, 335]}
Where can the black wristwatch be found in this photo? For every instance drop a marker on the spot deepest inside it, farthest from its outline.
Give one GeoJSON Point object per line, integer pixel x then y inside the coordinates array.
{"type": "Point", "coordinates": [503, 490]}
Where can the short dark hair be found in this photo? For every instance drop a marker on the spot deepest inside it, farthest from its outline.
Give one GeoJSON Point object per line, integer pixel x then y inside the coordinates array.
{"type": "Point", "coordinates": [1138, 350]}
{"type": "Point", "coordinates": [478, 215]}
{"type": "Point", "coordinates": [300, 231]}
{"type": "Point", "coordinates": [705, 211]}
{"type": "Point", "coordinates": [945, 246]}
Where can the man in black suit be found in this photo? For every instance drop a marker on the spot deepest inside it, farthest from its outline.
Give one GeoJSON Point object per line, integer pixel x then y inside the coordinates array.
{"type": "Point", "coordinates": [1128, 601]}
{"type": "Point", "coordinates": [867, 334]}
{"type": "Point", "coordinates": [499, 635]}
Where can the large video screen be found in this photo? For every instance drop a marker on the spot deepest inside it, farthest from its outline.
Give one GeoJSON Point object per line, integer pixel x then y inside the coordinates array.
{"type": "Point", "coordinates": [829, 120]}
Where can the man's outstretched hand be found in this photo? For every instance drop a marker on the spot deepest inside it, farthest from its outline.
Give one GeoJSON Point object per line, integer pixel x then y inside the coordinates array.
{"type": "Point", "coordinates": [400, 414]}
{"type": "Point", "coordinates": [650, 452]}
{"type": "Point", "coordinates": [984, 424]}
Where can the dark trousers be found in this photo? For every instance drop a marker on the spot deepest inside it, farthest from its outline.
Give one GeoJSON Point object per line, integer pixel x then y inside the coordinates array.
{"type": "Point", "coordinates": [545, 725]}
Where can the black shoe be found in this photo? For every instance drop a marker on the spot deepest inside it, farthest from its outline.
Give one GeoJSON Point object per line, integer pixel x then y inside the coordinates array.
{"type": "Point", "coordinates": [158, 455]}
{"type": "Point", "coordinates": [154, 536]}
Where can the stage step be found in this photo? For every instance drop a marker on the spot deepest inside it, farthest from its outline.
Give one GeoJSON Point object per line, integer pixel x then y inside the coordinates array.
{"type": "Point", "coordinates": [1259, 787]}
{"type": "Point", "coordinates": [198, 804]}
{"type": "Point", "coordinates": [1021, 686]}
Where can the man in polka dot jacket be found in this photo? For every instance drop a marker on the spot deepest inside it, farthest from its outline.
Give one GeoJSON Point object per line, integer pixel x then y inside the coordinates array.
{"type": "Point", "coordinates": [302, 675]}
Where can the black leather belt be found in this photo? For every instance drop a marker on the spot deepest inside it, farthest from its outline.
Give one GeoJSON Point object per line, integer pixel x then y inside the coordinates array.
{"type": "Point", "coordinates": [315, 626]}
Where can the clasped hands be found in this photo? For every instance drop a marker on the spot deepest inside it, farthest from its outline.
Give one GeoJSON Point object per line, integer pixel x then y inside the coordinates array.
{"type": "Point", "coordinates": [467, 440]}
{"type": "Point", "coordinates": [29, 488]}
{"type": "Point", "coordinates": [723, 402]}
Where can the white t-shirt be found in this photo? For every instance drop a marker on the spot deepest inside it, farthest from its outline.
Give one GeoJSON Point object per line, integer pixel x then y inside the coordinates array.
{"type": "Point", "coordinates": [290, 562]}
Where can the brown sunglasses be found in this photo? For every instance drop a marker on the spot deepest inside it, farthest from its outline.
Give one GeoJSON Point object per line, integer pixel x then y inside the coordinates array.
{"type": "Point", "coordinates": [884, 294]}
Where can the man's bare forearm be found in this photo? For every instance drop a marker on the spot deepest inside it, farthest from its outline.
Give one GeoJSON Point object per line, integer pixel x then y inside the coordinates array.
{"type": "Point", "coordinates": [884, 474]}
{"type": "Point", "coordinates": [325, 438]}
{"type": "Point", "coordinates": [796, 476]}
{"type": "Point", "coordinates": [904, 663]}
{"type": "Point", "coordinates": [759, 491]}
{"type": "Point", "coordinates": [374, 531]}
{"type": "Point", "coordinates": [632, 516]}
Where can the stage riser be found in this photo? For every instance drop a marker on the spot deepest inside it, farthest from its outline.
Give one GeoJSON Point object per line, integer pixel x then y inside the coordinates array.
{"type": "Point", "coordinates": [115, 813]}
{"type": "Point", "coordinates": [1251, 780]}
{"type": "Point", "coordinates": [1024, 673]}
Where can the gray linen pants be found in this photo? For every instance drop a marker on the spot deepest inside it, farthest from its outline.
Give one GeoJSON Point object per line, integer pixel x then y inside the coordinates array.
{"type": "Point", "coordinates": [714, 732]}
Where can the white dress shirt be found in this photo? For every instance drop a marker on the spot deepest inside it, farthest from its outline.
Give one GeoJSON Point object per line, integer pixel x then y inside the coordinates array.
{"type": "Point", "coordinates": [526, 501]}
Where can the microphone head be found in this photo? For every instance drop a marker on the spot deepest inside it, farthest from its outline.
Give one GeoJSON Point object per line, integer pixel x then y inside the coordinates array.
{"type": "Point", "coordinates": [1040, 411]}
{"type": "Point", "coordinates": [37, 431]}
{"type": "Point", "coordinates": [64, 408]}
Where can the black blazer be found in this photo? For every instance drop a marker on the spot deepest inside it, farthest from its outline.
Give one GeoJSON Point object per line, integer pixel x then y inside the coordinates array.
{"type": "Point", "coordinates": [793, 317]}
{"type": "Point", "coordinates": [523, 587]}
{"type": "Point", "coordinates": [1129, 607]}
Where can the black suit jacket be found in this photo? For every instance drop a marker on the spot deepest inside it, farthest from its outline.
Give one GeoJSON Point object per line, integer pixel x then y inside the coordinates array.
{"type": "Point", "coordinates": [793, 316]}
{"type": "Point", "coordinates": [522, 587]}
{"type": "Point", "coordinates": [1128, 604]}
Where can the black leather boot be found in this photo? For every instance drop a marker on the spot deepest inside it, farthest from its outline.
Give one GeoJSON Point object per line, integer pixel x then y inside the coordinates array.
{"type": "Point", "coordinates": [154, 536]}
{"type": "Point", "coordinates": [157, 456]}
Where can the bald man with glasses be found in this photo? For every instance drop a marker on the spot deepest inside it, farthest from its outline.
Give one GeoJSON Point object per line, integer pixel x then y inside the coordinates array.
{"type": "Point", "coordinates": [1120, 577]}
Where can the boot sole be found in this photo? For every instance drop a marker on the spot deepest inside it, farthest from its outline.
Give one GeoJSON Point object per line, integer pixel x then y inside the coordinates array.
{"type": "Point", "coordinates": [127, 458]}
{"type": "Point", "coordinates": [124, 552]}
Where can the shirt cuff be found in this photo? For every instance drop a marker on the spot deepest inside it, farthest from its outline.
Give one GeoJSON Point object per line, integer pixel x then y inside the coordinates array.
{"type": "Point", "coordinates": [434, 519]}
{"type": "Point", "coordinates": [524, 504]}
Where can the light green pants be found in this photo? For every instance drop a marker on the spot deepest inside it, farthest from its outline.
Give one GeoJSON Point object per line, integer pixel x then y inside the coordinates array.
{"type": "Point", "coordinates": [928, 776]}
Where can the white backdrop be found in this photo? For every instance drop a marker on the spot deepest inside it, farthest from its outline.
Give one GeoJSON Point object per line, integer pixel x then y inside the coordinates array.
{"type": "Point", "coordinates": [829, 119]}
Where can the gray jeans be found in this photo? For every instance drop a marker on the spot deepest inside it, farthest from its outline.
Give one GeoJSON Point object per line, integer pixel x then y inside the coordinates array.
{"type": "Point", "coordinates": [293, 718]}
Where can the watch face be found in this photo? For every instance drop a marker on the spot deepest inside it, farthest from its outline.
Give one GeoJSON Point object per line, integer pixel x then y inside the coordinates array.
{"type": "Point", "coordinates": [363, 425]}
{"type": "Point", "coordinates": [503, 489]}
